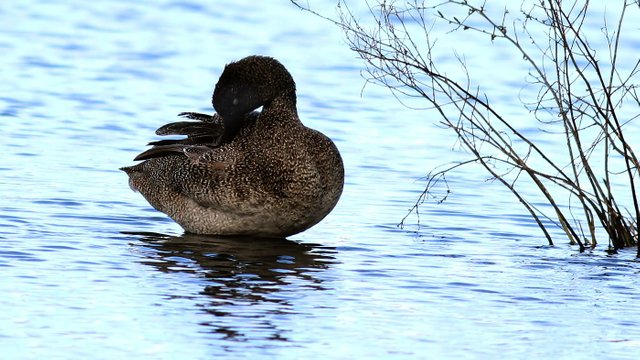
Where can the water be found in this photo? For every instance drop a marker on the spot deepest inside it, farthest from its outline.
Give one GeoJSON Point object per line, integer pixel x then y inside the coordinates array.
{"type": "Point", "coordinates": [89, 270]}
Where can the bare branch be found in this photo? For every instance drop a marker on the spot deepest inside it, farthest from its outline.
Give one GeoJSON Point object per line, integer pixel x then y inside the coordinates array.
{"type": "Point", "coordinates": [580, 96]}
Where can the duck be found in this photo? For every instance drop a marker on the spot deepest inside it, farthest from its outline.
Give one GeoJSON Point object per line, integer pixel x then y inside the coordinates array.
{"type": "Point", "coordinates": [243, 171]}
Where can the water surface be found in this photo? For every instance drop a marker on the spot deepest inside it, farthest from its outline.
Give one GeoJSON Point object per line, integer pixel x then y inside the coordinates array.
{"type": "Point", "coordinates": [90, 270]}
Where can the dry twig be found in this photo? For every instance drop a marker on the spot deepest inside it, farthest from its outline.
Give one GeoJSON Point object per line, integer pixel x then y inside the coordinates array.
{"type": "Point", "coordinates": [580, 89]}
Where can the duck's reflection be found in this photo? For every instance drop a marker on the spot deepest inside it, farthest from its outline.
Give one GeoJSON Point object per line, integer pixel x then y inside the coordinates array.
{"type": "Point", "coordinates": [249, 281]}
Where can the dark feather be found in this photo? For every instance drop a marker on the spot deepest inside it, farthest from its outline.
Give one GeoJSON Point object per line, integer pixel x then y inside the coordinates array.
{"type": "Point", "coordinates": [190, 128]}
{"type": "Point", "coordinates": [195, 140]}
{"type": "Point", "coordinates": [160, 151]}
{"type": "Point", "coordinates": [205, 133]}
{"type": "Point", "coordinates": [201, 117]}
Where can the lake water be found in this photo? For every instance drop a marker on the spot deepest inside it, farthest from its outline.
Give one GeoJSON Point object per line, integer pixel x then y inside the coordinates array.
{"type": "Point", "coordinates": [90, 270]}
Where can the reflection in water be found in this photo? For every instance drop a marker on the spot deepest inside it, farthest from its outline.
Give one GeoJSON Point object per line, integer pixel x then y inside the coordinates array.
{"type": "Point", "coordinates": [248, 280]}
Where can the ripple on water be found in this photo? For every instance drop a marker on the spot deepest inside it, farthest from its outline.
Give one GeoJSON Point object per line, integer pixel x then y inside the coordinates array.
{"type": "Point", "coordinates": [10, 255]}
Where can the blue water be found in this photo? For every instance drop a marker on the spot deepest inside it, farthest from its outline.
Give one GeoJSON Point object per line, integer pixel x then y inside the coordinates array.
{"type": "Point", "coordinates": [90, 270]}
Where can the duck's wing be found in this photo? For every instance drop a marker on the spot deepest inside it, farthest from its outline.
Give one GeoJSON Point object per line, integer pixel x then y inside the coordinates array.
{"type": "Point", "coordinates": [160, 151]}
{"type": "Point", "coordinates": [215, 118]}
{"type": "Point", "coordinates": [206, 131]}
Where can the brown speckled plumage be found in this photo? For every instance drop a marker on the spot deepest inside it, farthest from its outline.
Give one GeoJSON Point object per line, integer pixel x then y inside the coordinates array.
{"type": "Point", "coordinates": [241, 172]}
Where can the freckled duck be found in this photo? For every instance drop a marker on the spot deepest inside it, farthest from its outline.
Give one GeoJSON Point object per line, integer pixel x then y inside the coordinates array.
{"type": "Point", "coordinates": [240, 171]}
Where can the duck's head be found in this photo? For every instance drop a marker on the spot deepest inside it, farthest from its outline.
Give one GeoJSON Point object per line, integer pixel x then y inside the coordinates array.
{"type": "Point", "coordinates": [247, 84]}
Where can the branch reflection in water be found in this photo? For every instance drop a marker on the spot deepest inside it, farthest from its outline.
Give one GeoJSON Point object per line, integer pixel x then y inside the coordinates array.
{"type": "Point", "coordinates": [248, 282]}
